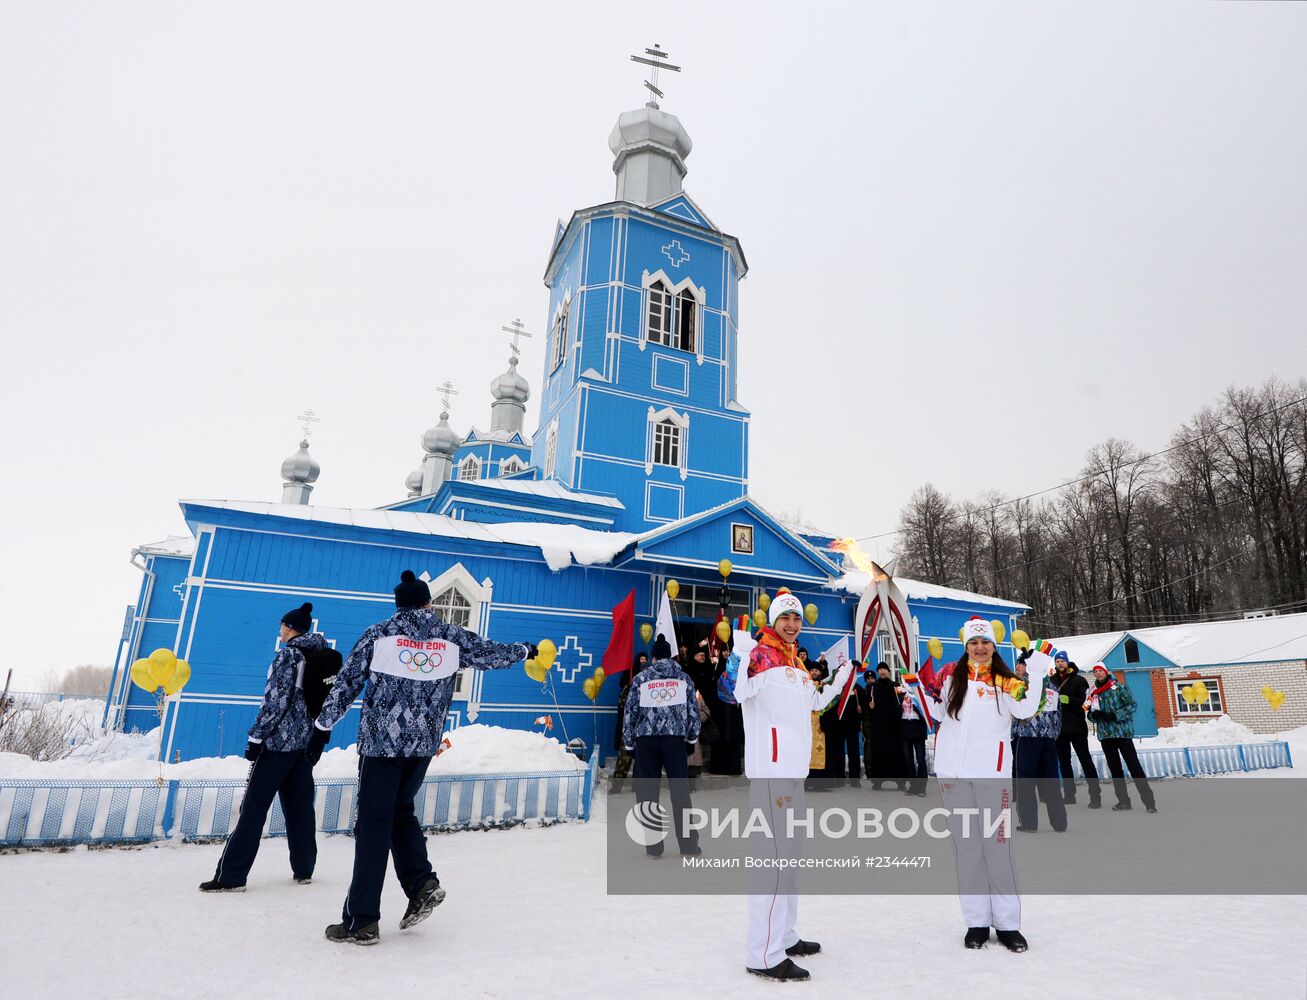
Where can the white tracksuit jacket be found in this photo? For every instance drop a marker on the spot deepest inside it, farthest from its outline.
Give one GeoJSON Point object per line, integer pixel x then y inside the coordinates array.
{"type": "Point", "coordinates": [975, 744]}
{"type": "Point", "coordinates": [777, 705]}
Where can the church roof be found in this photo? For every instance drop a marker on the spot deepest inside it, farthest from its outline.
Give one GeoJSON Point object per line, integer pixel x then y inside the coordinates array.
{"type": "Point", "coordinates": [503, 437]}
{"type": "Point", "coordinates": [561, 545]}
{"type": "Point", "coordinates": [547, 488]}
{"type": "Point", "coordinates": [855, 582]}
{"type": "Point", "coordinates": [173, 545]}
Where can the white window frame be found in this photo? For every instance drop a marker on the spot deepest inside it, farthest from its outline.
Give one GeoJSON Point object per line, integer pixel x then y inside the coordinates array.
{"type": "Point", "coordinates": [1181, 709]}
{"type": "Point", "coordinates": [661, 323]}
{"type": "Point", "coordinates": [478, 597]}
{"type": "Point", "coordinates": [475, 463]}
{"type": "Point", "coordinates": [551, 450]}
{"type": "Point", "coordinates": [682, 422]}
{"type": "Point", "coordinates": [512, 465]}
{"type": "Point", "coordinates": [559, 332]}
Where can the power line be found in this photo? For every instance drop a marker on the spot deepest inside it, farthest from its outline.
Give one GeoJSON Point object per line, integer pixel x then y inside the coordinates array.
{"type": "Point", "coordinates": [1115, 468]}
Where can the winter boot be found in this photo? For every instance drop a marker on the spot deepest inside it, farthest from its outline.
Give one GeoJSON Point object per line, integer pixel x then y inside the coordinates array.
{"type": "Point", "coordinates": [303, 879]}
{"type": "Point", "coordinates": [803, 949]}
{"type": "Point", "coordinates": [785, 972]}
{"type": "Point", "coordinates": [976, 937]}
{"type": "Point", "coordinates": [1095, 803]}
{"type": "Point", "coordinates": [1122, 807]}
{"type": "Point", "coordinates": [371, 934]}
{"type": "Point", "coordinates": [1012, 940]}
{"type": "Point", "coordinates": [213, 885]}
{"type": "Point", "coordinates": [428, 896]}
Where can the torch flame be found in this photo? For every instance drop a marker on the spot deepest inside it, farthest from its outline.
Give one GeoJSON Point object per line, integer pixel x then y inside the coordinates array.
{"type": "Point", "coordinates": [850, 548]}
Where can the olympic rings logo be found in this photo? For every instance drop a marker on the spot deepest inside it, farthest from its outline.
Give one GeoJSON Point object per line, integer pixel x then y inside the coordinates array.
{"type": "Point", "coordinates": [662, 694]}
{"type": "Point", "coordinates": [423, 662]}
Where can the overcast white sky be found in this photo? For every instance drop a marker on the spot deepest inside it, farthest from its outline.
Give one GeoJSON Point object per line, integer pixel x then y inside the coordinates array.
{"type": "Point", "coordinates": [213, 215]}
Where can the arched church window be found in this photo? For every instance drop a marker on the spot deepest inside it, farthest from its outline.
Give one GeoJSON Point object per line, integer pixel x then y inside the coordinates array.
{"type": "Point", "coordinates": [470, 468]}
{"type": "Point", "coordinates": [687, 315]}
{"type": "Point", "coordinates": [559, 335]}
{"type": "Point", "coordinates": [551, 451]}
{"type": "Point", "coordinates": [661, 309]}
{"type": "Point", "coordinates": [511, 465]}
{"type": "Point", "coordinates": [667, 444]}
{"type": "Point", "coordinates": [452, 607]}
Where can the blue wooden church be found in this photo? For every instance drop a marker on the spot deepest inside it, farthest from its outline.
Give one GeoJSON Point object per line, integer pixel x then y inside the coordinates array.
{"type": "Point", "coordinates": [637, 473]}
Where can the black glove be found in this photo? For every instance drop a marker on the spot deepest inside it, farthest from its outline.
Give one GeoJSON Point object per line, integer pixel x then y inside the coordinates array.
{"type": "Point", "coordinates": [252, 750]}
{"type": "Point", "coordinates": [1025, 654]}
{"type": "Point", "coordinates": [317, 740]}
{"type": "Point", "coordinates": [689, 749]}
{"type": "Point", "coordinates": [531, 651]}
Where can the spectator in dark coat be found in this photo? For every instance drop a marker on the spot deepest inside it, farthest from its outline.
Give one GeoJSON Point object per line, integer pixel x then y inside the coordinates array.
{"type": "Point", "coordinates": [885, 752]}
{"type": "Point", "coordinates": [1072, 688]}
{"type": "Point", "coordinates": [622, 769]}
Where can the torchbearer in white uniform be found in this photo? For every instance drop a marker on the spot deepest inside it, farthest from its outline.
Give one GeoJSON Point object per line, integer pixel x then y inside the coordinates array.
{"type": "Point", "coordinates": [777, 699]}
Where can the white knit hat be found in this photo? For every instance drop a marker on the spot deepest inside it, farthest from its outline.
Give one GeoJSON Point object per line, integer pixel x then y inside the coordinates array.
{"type": "Point", "coordinates": [784, 604]}
{"type": "Point", "coordinates": [977, 628]}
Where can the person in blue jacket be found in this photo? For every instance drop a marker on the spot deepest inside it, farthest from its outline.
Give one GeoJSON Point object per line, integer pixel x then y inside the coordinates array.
{"type": "Point", "coordinates": [278, 767]}
{"type": "Point", "coordinates": [409, 663]}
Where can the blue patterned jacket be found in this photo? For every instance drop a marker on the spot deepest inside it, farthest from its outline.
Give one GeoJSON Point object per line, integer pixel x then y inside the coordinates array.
{"type": "Point", "coordinates": [409, 663]}
{"type": "Point", "coordinates": [1046, 722]}
{"type": "Point", "coordinates": [661, 702]}
{"type": "Point", "coordinates": [283, 720]}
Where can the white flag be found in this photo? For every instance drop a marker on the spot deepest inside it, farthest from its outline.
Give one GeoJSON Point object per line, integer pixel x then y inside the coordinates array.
{"type": "Point", "coordinates": [837, 656]}
{"type": "Point", "coordinates": [664, 626]}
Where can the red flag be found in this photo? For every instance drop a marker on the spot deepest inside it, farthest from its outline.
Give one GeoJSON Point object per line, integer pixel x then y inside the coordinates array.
{"type": "Point", "coordinates": [620, 653]}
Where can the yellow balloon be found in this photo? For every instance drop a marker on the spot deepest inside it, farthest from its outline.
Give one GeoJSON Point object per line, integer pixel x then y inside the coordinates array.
{"type": "Point", "coordinates": [1189, 695]}
{"type": "Point", "coordinates": [142, 677]}
{"type": "Point", "coordinates": [546, 653]}
{"type": "Point", "coordinates": [180, 675]}
{"type": "Point", "coordinates": [673, 588]}
{"type": "Point", "coordinates": [590, 689]}
{"type": "Point", "coordinates": [724, 630]}
{"type": "Point", "coordinates": [599, 676]}
{"type": "Point", "coordinates": [810, 613]}
{"type": "Point", "coordinates": [646, 631]}
{"type": "Point", "coordinates": [759, 618]}
{"type": "Point", "coordinates": [1000, 630]}
{"type": "Point", "coordinates": [162, 663]}
{"type": "Point", "coordinates": [960, 631]}
{"type": "Point", "coordinates": [1020, 639]}
{"type": "Point", "coordinates": [936, 649]}
{"type": "Point", "coordinates": [1267, 691]}
{"type": "Point", "coordinates": [1276, 699]}
{"type": "Point", "coordinates": [535, 671]}
{"type": "Point", "coordinates": [724, 568]}
{"type": "Point", "coordinates": [764, 602]}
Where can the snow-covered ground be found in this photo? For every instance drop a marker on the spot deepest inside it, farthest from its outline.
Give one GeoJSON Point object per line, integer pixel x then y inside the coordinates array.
{"type": "Point", "coordinates": [527, 916]}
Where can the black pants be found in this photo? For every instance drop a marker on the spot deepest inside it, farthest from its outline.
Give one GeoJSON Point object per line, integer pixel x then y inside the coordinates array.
{"type": "Point", "coordinates": [653, 756]}
{"type": "Point", "coordinates": [914, 756]}
{"type": "Point", "coordinates": [387, 825]}
{"type": "Point", "coordinates": [290, 775]}
{"type": "Point", "coordinates": [842, 755]}
{"type": "Point", "coordinates": [1080, 743]}
{"type": "Point", "coordinates": [1114, 751]}
{"type": "Point", "coordinates": [1036, 772]}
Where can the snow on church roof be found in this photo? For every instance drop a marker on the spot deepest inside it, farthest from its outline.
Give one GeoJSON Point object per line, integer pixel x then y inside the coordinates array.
{"type": "Point", "coordinates": [544, 488]}
{"type": "Point", "coordinates": [855, 582]}
{"type": "Point", "coordinates": [1200, 644]}
{"type": "Point", "coordinates": [173, 545]}
{"type": "Point", "coordinates": [560, 544]}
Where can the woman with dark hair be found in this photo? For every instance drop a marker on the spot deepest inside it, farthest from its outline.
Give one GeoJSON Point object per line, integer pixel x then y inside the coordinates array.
{"type": "Point", "coordinates": [979, 697]}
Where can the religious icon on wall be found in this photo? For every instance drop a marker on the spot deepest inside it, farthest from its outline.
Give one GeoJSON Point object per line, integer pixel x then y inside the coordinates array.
{"type": "Point", "coordinates": [742, 539]}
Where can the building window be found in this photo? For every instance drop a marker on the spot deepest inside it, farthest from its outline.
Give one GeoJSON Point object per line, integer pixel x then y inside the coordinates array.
{"type": "Point", "coordinates": [559, 335]}
{"type": "Point", "coordinates": [700, 601]}
{"type": "Point", "coordinates": [1131, 651]}
{"type": "Point", "coordinates": [687, 314]}
{"type": "Point", "coordinates": [661, 314]}
{"type": "Point", "coordinates": [667, 444]}
{"type": "Point", "coordinates": [551, 451]}
{"type": "Point", "coordinates": [511, 466]}
{"type": "Point", "coordinates": [452, 607]}
{"type": "Point", "coordinates": [1214, 705]}
{"type": "Point", "coordinates": [470, 468]}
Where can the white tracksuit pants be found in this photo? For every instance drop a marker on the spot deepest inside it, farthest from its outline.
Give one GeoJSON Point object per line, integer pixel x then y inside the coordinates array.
{"type": "Point", "coordinates": [773, 903]}
{"type": "Point", "coordinates": [987, 881]}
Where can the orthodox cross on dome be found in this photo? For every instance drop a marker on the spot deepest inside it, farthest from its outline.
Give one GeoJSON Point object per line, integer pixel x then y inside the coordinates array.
{"type": "Point", "coordinates": [446, 390]}
{"type": "Point", "coordinates": [308, 418]}
{"type": "Point", "coordinates": [656, 58]}
{"type": "Point", "coordinates": [514, 331]}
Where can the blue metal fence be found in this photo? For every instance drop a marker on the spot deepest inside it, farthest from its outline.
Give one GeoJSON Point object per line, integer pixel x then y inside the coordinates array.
{"type": "Point", "coordinates": [42, 813]}
{"type": "Point", "coordinates": [1192, 762]}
